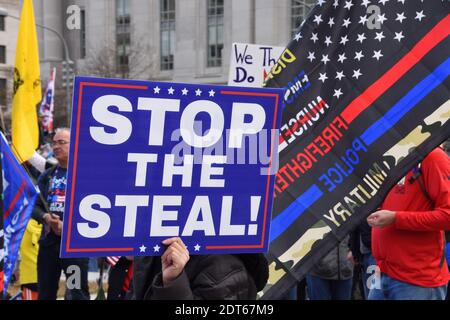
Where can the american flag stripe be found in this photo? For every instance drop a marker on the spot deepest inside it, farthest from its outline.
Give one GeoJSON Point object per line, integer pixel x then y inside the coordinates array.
{"type": "Point", "coordinates": [112, 260]}
{"type": "Point", "coordinates": [405, 104]}
{"type": "Point", "coordinates": [425, 45]}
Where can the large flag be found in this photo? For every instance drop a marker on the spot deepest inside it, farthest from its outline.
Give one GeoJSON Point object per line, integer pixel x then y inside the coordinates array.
{"type": "Point", "coordinates": [47, 105]}
{"type": "Point", "coordinates": [27, 87]}
{"type": "Point", "coordinates": [366, 99]}
{"type": "Point", "coordinates": [19, 198]}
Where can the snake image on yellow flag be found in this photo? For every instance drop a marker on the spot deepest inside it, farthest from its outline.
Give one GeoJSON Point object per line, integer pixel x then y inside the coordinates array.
{"type": "Point", "coordinates": [27, 87]}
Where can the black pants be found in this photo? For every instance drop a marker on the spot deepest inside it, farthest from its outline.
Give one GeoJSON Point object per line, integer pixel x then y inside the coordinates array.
{"type": "Point", "coordinates": [49, 267]}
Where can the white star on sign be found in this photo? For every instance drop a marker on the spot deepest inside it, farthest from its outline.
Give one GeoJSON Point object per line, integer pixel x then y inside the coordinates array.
{"type": "Point", "coordinates": [185, 91]}
{"type": "Point", "coordinates": [336, 3]}
{"type": "Point", "coordinates": [311, 56]}
{"type": "Point", "coordinates": [198, 92]}
{"type": "Point", "coordinates": [383, 2]}
{"type": "Point", "coordinates": [419, 15]}
{"type": "Point", "coordinates": [323, 77]}
{"type": "Point", "coordinates": [298, 36]}
{"type": "Point", "coordinates": [399, 36]}
{"type": "Point", "coordinates": [365, 3]}
{"type": "Point", "coordinates": [170, 90]}
{"type": "Point", "coordinates": [337, 93]}
{"type": "Point", "coordinates": [156, 248]}
{"type": "Point", "coordinates": [318, 19]}
{"type": "Point", "coordinates": [361, 37]}
{"type": "Point", "coordinates": [156, 90]}
{"type": "Point", "coordinates": [357, 74]}
{"type": "Point", "coordinates": [400, 17]}
{"type": "Point", "coordinates": [342, 57]}
{"type": "Point", "coordinates": [212, 93]}
{"type": "Point", "coordinates": [359, 55]}
{"type": "Point", "coordinates": [142, 248]}
{"type": "Point", "coordinates": [321, 2]}
{"type": "Point", "coordinates": [340, 75]}
{"type": "Point", "coordinates": [328, 40]}
{"type": "Point", "coordinates": [402, 1]}
{"type": "Point", "coordinates": [197, 247]}
{"type": "Point", "coordinates": [377, 54]}
{"type": "Point", "coordinates": [325, 58]}
{"type": "Point", "coordinates": [379, 36]}
{"type": "Point", "coordinates": [314, 37]}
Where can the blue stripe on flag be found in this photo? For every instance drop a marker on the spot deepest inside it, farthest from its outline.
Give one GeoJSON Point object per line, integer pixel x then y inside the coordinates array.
{"type": "Point", "coordinates": [281, 222]}
{"type": "Point", "coordinates": [411, 99]}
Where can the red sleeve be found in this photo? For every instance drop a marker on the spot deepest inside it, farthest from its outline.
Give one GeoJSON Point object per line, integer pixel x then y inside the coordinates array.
{"type": "Point", "coordinates": [436, 177]}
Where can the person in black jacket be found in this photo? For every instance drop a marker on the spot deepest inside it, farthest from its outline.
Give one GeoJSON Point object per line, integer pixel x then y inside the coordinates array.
{"type": "Point", "coordinates": [361, 247]}
{"type": "Point", "coordinates": [331, 277]}
{"type": "Point", "coordinates": [52, 184]}
{"type": "Point", "coordinates": [178, 276]}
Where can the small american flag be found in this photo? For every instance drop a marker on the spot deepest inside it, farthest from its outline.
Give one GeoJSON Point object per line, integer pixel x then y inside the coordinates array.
{"type": "Point", "coordinates": [46, 108]}
{"type": "Point", "coordinates": [112, 260]}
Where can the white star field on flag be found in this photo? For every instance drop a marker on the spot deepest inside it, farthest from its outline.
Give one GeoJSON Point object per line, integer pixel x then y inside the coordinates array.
{"type": "Point", "coordinates": [351, 42]}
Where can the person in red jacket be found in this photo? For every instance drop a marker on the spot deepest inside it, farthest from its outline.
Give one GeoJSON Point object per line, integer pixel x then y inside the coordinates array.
{"type": "Point", "coordinates": [408, 240]}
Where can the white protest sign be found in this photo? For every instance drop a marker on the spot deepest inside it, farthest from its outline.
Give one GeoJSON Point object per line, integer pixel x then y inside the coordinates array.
{"type": "Point", "coordinates": [250, 63]}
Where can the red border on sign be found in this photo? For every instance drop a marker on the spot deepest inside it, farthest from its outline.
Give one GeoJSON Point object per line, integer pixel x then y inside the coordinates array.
{"type": "Point", "coordinates": [75, 157]}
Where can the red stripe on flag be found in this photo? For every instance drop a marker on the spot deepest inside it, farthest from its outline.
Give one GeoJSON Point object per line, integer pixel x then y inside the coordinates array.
{"type": "Point", "coordinates": [112, 260]}
{"type": "Point", "coordinates": [425, 45]}
{"type": "Point", "coordinates": [16, 198]}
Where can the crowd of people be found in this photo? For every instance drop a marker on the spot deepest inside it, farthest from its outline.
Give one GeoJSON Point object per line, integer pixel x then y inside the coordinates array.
{"type": "Point", "coordinates": [400, 252]}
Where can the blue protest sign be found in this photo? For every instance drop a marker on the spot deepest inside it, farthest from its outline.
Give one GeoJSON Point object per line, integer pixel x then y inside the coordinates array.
{"type": "Point", "coordinates": [153, 160]}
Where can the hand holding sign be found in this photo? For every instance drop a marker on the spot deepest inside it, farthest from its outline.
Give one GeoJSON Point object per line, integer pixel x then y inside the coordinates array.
{"type": "Point", "coordinates": [174, 259]}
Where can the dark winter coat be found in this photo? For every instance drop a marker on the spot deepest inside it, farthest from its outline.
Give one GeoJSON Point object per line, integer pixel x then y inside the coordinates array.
{"type": "Point", "coordinates": [208, 277]}
{"type": "Point", "coordinates": [335, 265]}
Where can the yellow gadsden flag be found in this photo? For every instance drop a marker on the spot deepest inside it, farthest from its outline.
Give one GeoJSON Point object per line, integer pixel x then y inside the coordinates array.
{"type": "Point", "coordinates": [27, 87]}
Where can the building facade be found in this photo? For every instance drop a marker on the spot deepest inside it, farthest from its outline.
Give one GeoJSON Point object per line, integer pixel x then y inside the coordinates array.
{"type": "Point", "coordinates": [168, 40]}
{"type": "Point", "coordinates": [164, 40]}
{"type": "Point", "coordinates": [8, 38]}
